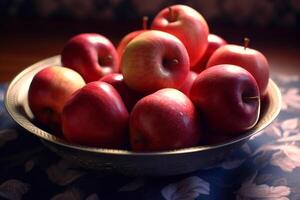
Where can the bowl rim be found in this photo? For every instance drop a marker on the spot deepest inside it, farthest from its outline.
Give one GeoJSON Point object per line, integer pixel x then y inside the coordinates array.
{"type": "Point", "coordinates": [47, 137]}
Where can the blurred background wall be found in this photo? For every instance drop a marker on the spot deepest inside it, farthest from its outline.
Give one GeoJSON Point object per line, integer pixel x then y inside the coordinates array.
{"type": "Point", "coordinates": [31, 30]}
{"type": "Point", "coordinates": [263, 13]}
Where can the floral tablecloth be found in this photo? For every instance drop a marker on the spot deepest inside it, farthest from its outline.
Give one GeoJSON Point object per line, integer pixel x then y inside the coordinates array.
{"type": "Point", "coordinates": [266, 167]}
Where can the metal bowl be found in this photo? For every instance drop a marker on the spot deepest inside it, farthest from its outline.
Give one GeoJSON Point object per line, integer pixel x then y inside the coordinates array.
{"type": "Point", "coordinates": [128, 162]}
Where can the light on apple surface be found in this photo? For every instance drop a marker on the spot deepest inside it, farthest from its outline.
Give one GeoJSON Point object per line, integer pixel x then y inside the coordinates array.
{"type": "Point", "coordinates": [250, 59]}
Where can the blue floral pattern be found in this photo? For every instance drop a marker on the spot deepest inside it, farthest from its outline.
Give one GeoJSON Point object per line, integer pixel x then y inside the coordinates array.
{"type": "Point", "coordinates": [266, 167]}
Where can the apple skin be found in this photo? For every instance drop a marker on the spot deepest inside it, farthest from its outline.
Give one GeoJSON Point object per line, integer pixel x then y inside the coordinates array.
{"type": "Point", "coordinates": [228, 97]}
{"type": "Point", "coordinates": [187, 84]}
{"type": "Point", "coordinates": [96, 116]}
{"type": "Point", "coordinates": [125, 40]}
{"type": "Point", "coordinates": [90, 54]}
{"type": "Point", "coordinates": [188, 25]}
{"type": "Point", "coordinates": [249, 59]}
{"type": "Point", "coordinates": [214, 42]}
{"type": "Point", "coordinates": [164, 120]}
{"type": "Point", "coordinates": [48, 92]}
{"type": "Point", "coordinates": [129, 96]}
{"type": "Point", "coordinates": [154, 60]}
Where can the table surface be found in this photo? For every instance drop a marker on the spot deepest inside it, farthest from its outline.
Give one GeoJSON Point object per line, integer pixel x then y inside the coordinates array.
{"type": "Point", "coordinates": [267, 166]}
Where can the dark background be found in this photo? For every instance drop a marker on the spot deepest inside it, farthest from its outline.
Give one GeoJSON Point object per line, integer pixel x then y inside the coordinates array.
{"type": "Point", "coordinates": [31, 30]}
{"type": "Point", "coordinates": [263, 13]}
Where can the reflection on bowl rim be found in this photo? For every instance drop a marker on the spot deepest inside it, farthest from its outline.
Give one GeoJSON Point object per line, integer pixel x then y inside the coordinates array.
{"type": "Point", "coordinates": [28, 125]}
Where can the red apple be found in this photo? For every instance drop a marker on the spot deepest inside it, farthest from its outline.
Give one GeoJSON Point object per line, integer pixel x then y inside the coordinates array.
{"type": "Point", "coordinates": [214, 42]}
{"type": "Point", "coordinates": [127, 38]}
{"type": "Point", "coordinates": [164, 120]}
{"type": "Point", "coordinates": [228, 97]}
{"type": "Point", "coordinates": [154, 60]}
{"type": "Point", "coordinates": [48, 92]}
{"type": "Point", "coordinates": [251, 60]}
{"type": "Point", "coordinates": [187, 84]}
{"type": "Point", "coordinates": [96, 116]}
{"type": "Point", "coordinates": [186, 24]}
{"type": "Point", "coordinates": [129, 96]}
{"type": "Point", "coordinates": [90, 54]}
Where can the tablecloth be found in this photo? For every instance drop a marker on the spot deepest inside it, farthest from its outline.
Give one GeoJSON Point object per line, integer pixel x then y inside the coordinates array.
{"type": "Point", "coordinates": [266, 167]}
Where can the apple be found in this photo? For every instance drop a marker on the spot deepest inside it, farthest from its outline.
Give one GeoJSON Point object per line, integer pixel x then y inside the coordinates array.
{"type": "Point", "coordinates": [48, 92]}
{"type": "Point", "coordinates": [186, 24]}
{"type": "Point", "coordinates": [214, 42]}
{"type": "Point", "coordinates": [129, 96]}
{"type": "Point", "coordinates": [154, 60]}
{"type": "Point", "coordinates": [251, 60]}
{"type": "Point", "coordinates": [228, 97]}
{"type": "Point", "coordinates": [90, 54]}
{"type": "Point", "coordinates": [127, 38]}
{"type": "Point", "coordinates": [96, 116]}
{"type": "Point", "coordinates": [164, 120]}
{"type": "Point", "coordinates": [187, 84]}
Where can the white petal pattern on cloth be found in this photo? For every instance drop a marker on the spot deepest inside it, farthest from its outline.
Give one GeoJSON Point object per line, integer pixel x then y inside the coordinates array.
{"type": "Point", "coordinates": [252, 191]}
{"type": "Point", "coordinates": [290, 124]}
{"type": "Point", "coordinates": [134, 185]}
{"type": "Point", "coordinates": [291, 99]}
{"type": "Point", "coordinates": [13, 189]}
{"type": "Point", "coordinates": [93, 196]}
{"type": "Point", "coordinates": [28, 166]}
{"type": "Point", "coordinates": [7, 135]}
{"type": "Point", "coordinates": [72, 193]}
{"type": "Point", "coordinates": [188, 188]}
{"type": "Point", "coordinates": [63, 173]}
{"type": "Point", "coordinates": [287, 158]}
{"type": "Point", "coordinates": [232, 164]}
{"type": "Point", "coordinates": [1, 95]}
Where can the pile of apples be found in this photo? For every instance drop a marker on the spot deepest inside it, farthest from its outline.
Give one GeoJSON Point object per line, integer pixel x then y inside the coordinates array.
{"type": "Point", "coordinates": [169, 87]}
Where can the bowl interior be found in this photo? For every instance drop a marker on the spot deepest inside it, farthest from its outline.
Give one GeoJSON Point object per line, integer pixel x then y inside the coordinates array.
{"type": "Point", "coordinates": [17, 105]}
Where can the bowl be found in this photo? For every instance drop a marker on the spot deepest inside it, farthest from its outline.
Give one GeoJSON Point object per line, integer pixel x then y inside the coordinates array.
{"type": "Point", "coordinates": [124, 161]}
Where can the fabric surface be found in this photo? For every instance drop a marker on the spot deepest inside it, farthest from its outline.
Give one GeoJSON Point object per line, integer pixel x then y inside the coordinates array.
{"type": "Point", "coordinates": [266, 167]}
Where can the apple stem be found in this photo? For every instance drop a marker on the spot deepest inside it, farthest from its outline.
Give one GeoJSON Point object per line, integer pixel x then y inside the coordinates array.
{"type": "Point", "coordinates": [246, 43]}
{"type": "Point", "coordinates": [171, 14]}
{"type": "Point", "coordinates": [170, 63]}
{"type": "Point", "coordinates": [175, 61]}
{"type": "Point", "coordinates": [109, 57]}
{"type": "Point", "coordinates": [145, 22]}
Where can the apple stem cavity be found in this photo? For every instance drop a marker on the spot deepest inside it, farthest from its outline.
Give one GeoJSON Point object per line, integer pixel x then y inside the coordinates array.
{"type": "Point", "coordinates": [169, 63]}
{"type": "Point", "coordinates": [145, 22]}
{"type": "Point", "coordinates": [48, 111]}
{"type": "Point", "coordinates": [171, 15]}
{"type": "Point", "coordinates": [246, 43]}
{"type": "Point", "coordinates": [104, 61]}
